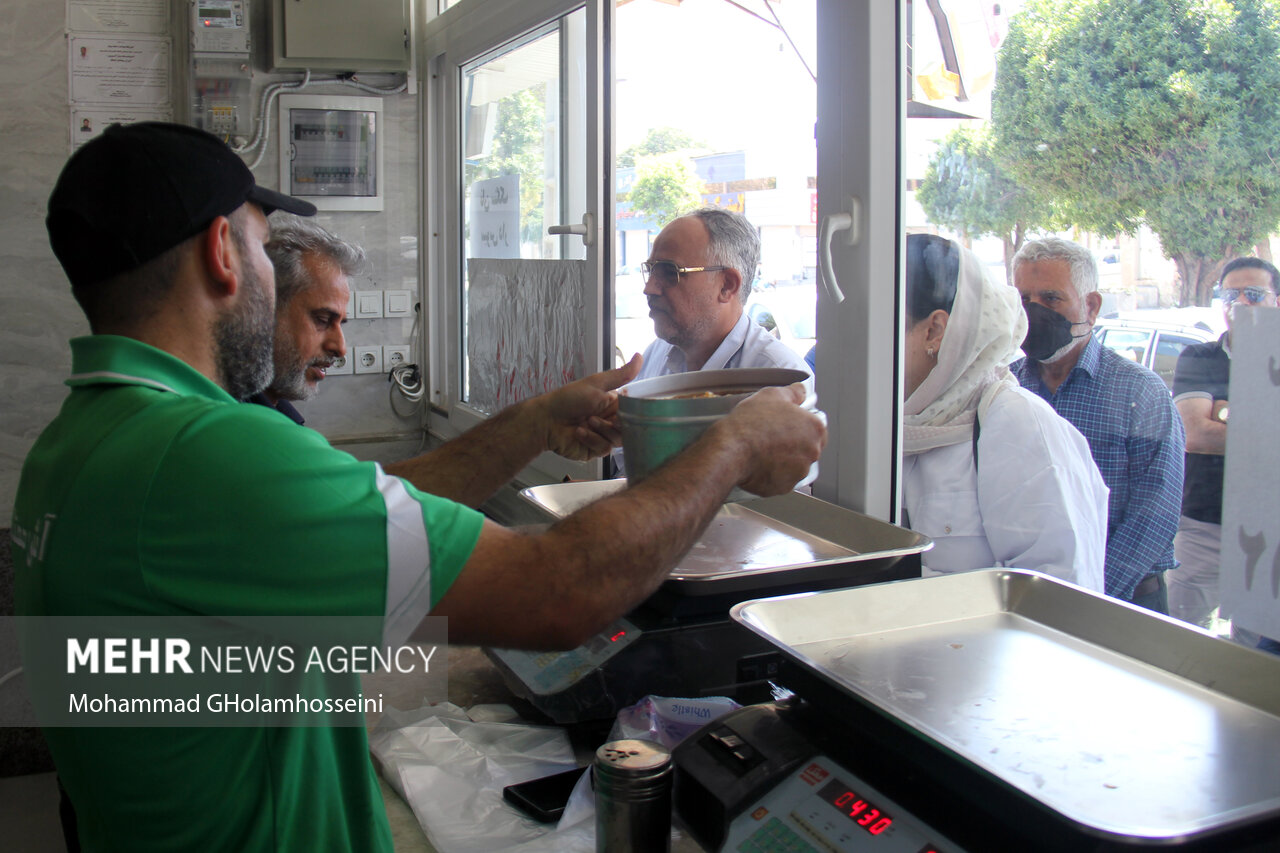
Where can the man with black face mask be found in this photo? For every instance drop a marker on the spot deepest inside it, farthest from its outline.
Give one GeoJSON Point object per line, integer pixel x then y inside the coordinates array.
{"type": "Point", "coordinates": [1123, 409]}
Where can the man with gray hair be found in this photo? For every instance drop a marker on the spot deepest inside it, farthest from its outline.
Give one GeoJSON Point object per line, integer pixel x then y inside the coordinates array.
{"type": "Point", "coordinates": [312, 269]}
{"type": "Point", "coordinates": [1123, 410]}
{"type": "Point", "coordinates": [697, 280]}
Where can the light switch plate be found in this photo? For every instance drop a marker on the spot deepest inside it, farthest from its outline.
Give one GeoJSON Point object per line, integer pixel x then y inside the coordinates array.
{"type": "Point", "coordinates": [368, 303]}
{"type": "Point", "coordinates": [397, 303]}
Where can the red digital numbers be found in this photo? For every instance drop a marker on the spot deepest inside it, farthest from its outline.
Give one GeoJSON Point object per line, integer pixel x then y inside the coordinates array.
{"type": "Point", "coordinates": [856, 809]}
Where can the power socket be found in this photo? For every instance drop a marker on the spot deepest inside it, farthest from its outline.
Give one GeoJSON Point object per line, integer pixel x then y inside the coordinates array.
{"type": "Point", "coordinates": [341, 365]}
{"type": "Point", "coordinates": [368, 359]}
{"type": "Point", "coordinates": [394, 355]}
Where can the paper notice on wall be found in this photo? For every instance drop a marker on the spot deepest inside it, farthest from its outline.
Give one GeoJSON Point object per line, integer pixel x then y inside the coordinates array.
{"type": "Point", "coordinates": [1250, 576]}
{"type": "Point", "coordinates": [123, 70]}
{"type": "Point", "coordinates": [495, 218]}
{"type": "Point", "coordinates": [88, 122]}
{"type": "Point", "coordinates": [524, 329]}
{"type": "Point", "coordinates": [118, 16]}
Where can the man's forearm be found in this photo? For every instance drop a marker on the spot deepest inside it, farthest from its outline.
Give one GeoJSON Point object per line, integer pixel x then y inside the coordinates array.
{"type": "Point", "coordinates": [558, 588]}
{"type": "Point", "coordinates": [562, 586]}
{"type": "Point", "coordinates": [471, 467]}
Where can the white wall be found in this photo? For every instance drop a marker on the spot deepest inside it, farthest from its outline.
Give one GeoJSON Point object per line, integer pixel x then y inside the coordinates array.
{"type": "Point", "coordinates": [37, 313]}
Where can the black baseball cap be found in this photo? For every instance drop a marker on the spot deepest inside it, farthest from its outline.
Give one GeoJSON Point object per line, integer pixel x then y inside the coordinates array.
{"type": "Point", "coordinates": [138, 190]}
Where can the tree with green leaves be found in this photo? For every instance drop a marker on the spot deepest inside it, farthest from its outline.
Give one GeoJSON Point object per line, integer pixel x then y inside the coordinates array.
{"type": "Point", "coordinates": [1163, 112]}
{"type": "Point", "coordinates": [659, 140]}
{"type": "Point", "coordinates": [518, 149]}
{"type": "Point", "coordinates": [666, 186]}
{"type": "Point", "coordinates": [964, 189]}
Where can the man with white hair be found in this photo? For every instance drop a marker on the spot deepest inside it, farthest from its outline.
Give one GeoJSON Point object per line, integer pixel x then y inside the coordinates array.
{"type": "Point", "coordinates": [1123, 409]}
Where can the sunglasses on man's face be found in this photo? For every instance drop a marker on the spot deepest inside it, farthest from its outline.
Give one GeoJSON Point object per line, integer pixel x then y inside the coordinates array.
{"type": "Point", "coordinates": [1252, 295]}
{"type": "Point", "coordinates": [667, 274]}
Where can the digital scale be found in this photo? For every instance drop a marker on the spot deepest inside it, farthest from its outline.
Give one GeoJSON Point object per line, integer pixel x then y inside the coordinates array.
{"type": "Point", "coordinates": [997, 710]}
{"type": "Point", "coordinates": [681, 641]}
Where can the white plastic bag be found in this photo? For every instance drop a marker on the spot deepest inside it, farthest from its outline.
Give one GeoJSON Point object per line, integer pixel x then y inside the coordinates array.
{"type": "Point", "coordinates": [451, 765]}
{"type": "Point", "coordinates": [451, 768]}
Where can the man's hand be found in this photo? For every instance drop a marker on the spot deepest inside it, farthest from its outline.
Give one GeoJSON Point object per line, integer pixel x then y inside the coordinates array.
{"type": "Point", "coordinates": [580, 420]}
{"type": "Point", "coordinates": [779, 440]}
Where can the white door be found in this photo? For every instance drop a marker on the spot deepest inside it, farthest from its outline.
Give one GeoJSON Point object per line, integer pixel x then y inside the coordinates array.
{"type": "Point", "coordinates": [860, 107]}
{"type": "Point", "coordinates": [514, 192]}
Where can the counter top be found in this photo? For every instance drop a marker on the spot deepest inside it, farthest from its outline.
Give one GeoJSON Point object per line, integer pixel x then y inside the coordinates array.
{"type": "Point", "coordinates": [473, 680]}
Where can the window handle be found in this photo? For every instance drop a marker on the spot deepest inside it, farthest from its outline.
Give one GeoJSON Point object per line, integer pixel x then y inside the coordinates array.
{"type": "Point", "coordinates": [587, 230]}
{"type": "Point", "coordinates": [850, 222]}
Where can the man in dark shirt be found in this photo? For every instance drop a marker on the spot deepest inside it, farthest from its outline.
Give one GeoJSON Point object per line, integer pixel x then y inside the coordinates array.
{"type": "Point", "coordinates": [1200, 382]}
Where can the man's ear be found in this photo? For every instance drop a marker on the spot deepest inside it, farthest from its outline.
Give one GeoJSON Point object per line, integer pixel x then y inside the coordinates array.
{"type": "Point", "coordinates": [1092, 304]}
{"type": "Point", "coordinates": [221, 256]}
{"type": "Point", "coordinates": [731, 284]}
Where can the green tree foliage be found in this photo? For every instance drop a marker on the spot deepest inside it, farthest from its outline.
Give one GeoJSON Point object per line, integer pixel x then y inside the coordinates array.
{"type": "Point", "coordinates": [1161, 111]}
{"type": "Point", "coordinates": [518, 149]}
{"type": "Point", "coordinates": [659, 140]}
{"type": "Point", "coordinates": [965, 189]}
{"type": "Point", "coordinates": [666, 186]}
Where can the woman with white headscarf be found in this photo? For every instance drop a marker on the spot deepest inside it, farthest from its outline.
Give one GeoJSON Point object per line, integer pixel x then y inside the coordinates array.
{"type": "Point", "coordinates": [991, 473]}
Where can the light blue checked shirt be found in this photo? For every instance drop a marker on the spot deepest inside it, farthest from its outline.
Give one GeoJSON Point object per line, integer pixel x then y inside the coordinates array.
{"type": "Point", "coordinates": [1126, 414]}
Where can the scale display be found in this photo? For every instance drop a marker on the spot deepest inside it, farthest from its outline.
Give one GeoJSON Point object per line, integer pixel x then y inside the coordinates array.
{"type": "Point", "coordinates": [823, 808]}
{"type": "Point", "coordinates": [552, 672]}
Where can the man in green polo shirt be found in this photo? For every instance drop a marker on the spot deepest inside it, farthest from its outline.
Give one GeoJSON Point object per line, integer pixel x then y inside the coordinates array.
{"type": "Point", "coordinates": [154, 493]}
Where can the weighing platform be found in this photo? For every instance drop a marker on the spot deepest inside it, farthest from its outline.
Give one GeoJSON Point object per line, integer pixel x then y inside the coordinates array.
{"type": "Point", "coordinates": [681, 642]}
{"type": "Point", "coordinates": [989, 711]}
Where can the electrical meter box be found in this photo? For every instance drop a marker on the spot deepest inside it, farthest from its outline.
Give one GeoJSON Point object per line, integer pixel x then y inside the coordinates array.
{"type": "Point", "coordinates": [339, 35]}
{"type": "Point", "coordinates": [220, 26]}
{"type": "Point", "coordinates": [221, 72]}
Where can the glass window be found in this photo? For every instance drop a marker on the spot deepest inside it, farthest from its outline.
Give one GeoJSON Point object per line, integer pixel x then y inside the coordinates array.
{"type": "Point", "coordinates": [1168, 348]}
{"type": "Point", "coordinates": [716, 105]}
{"type": "Point", "coordinates": [1116, 125]}
{"type": "Point", "coordinates": [510, 160]}
{"type": "Point", "coordinates": [1130, 343]}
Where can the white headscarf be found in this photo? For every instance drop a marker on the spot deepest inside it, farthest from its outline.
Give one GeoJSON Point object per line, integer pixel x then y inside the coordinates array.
{"type": "Point", "coordinates": [984, 332]}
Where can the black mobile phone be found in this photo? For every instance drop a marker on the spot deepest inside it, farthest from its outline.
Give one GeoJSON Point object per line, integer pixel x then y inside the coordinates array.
{"type": "Point", "coordinates": [544, 799]}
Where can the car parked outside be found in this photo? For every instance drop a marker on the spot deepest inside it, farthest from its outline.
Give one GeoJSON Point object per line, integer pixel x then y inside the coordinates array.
{"type": "Point", "coordinates": [788, 313]}
{"type": "Point", "coordinates": [1155, 338]}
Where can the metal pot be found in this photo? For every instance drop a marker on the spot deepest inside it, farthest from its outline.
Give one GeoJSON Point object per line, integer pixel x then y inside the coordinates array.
{"type": "Point", "coordinates": [658, 421]}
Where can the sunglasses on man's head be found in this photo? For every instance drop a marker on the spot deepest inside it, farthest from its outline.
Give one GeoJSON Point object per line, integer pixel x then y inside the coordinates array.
{"type": "Point", "coordinates": [1252, 295]}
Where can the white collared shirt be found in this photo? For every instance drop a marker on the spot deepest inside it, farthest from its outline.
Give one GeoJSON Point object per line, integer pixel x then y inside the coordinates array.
{"type": "Point", "coordinates": [748, 344]}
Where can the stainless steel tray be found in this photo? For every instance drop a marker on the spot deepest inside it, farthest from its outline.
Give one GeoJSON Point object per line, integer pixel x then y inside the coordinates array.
{"type": "Point", "coordinates": [750, 542]}
{"type": "Point", "coordinates": [1127, 723]}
